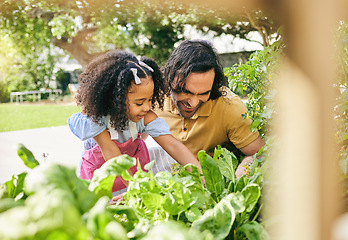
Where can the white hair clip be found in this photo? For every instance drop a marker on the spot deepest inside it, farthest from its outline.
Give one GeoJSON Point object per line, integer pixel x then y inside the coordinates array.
{"type": "Point", "coordinates": [136, 78]}
{"type": "Point", "coordinates": [141, 63]}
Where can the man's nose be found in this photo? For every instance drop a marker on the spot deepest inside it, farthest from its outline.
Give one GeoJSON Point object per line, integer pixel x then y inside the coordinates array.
{"type": "Point", "coordinates": [193, 101]}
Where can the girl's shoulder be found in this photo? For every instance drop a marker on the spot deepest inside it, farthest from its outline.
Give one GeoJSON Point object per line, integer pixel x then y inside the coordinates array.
{"type": "Point", "coordinates": [155, 126]}
{"type": "Point", "coordinates": [84, 127]}
{"type": "Point", "coordinates": [149, 117]}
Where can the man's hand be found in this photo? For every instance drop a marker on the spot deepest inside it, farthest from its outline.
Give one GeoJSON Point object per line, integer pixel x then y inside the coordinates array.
{"type": "Point", "coordinates": [244, 167]}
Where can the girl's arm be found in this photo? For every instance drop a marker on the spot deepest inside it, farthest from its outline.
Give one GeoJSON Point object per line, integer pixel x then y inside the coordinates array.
{"type": "Point", "coordinates": [108, 148]}
{"type": "Point", "coordinates": [177, 150]}
{"type": "Point", "coordinates": [172, 146]}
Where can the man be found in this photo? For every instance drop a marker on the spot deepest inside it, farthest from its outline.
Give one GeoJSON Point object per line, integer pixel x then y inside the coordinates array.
{"type": "Point", "coordinates": [201, 111]}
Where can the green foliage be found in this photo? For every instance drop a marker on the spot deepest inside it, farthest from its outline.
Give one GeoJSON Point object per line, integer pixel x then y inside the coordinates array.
{"type": "Point", "coordinates": [104, 177]}
{"type": "Point", "coordinates": [26, 47]}
{"type": "Point", "coordinates": [51, 202]}
{"type": "Point", "coordinates": [31, 32]}
{"type": "Point", "coordinates": [255, 78]}
{"type": "Point", "coordinates": [4, 93]}
{"type": "Point", "coordinates": [214, 179]}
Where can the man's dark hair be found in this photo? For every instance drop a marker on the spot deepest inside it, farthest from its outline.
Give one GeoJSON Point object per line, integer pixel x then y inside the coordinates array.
{"type": "Point", "coordinates": [193, 56]}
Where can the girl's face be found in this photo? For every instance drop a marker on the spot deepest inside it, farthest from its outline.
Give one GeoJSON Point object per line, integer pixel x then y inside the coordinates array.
{"type": "Point", "coordinates": [139, 98]}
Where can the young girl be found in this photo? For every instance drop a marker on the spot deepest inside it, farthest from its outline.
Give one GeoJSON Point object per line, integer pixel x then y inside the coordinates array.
{"type": "Point", "coordinates": [117, 93]}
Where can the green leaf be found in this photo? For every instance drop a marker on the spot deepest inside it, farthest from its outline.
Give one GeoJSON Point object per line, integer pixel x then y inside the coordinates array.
{"type": "Point", "coordinates": [175, 230]}
{"type": "Point", "coordinates": [126, 210]}
{"type": "Point", "coordinates": [104, 177]}
{"type": "Point", "coordinates": [251, 194]}
{"type": "Point", "coordinates": [50, 177]}
{"type": "Point", "coordinates": [171, 205]}
{"type": "Point", "coordinates": [237, 201]}
{"type": "Point", "coordinates": [101, 223]}
{"type": "Point", "coordinates": [115, 231]}
{"type": "Point", "coordinates": [26, 156]}
{"type": "Point", "coordinates": [8, 203]}
{"type": "Point", "coordinates": [43, 215]}
{"type": "Point", "coordinates": [193, 179]}
{"type": "Point", "coordinates": [240, 88]}
{"type": "Point", "coordinates": [12, 188]}
{"type": "Point", "coordinates": [152, 201]}
{"type": "Point", "coordinates": [227, 162]}
{"type": "Point", "coordinates": [242, 182]}
{"type": "Point", "coordinates": [198, 199]}
{"type": "Point", "coordinates": [255, 124]}
{"type": "Point", "coordinates": [193, 214]}
{"type": "Point", "coordinates": [214, 180]}
{"type": "Point", "coordinates": [104, 187]}
{"type": "Point", "coordinates": [254, 231]}
{"type": "Point", "coordinates": [218, 220]}
{"type": "Point", "coordinates": [149, 165]}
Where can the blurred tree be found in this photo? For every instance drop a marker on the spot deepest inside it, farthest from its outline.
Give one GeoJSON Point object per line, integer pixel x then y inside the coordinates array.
{"type": "Point", "coordinates": [34, 33]}
{"type": "Point", "coordinates": [85, 28]}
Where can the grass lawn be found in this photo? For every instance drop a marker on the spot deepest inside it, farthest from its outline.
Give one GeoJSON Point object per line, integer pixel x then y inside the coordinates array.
{"type": "Point", "coordinates": [27, 116]}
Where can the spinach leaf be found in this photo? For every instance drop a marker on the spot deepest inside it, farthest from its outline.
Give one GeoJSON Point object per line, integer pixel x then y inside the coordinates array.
{"type": "Point", "coordinates": [175, 230]}
{"type": "Point", "coordinates": [218, 220]}
{"type": "Point", "coordinates": [214, 180]}
{"type": "Point", "coordinates": [251, 194]}
{"type": "Point", "coordinates": [253, 231]}
{"type": "Point", "coordinates": [237, 201]}
{"type": "Point", "coordinates": [226, 161]}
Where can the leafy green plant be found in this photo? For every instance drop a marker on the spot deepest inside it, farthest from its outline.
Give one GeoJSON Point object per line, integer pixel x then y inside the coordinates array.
{"type": "Point", "coordinates": [51, 202]}
{"type": "Point", "coordinates": [255, 78]}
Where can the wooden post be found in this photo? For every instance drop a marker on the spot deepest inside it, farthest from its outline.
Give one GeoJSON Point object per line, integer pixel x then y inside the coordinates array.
{"type": "Point", "coordinates": [305, 169]}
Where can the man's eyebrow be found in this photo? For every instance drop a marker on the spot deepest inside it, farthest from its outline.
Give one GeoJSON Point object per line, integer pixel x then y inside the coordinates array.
{"type": "Point", "coordinates": [189, 92]}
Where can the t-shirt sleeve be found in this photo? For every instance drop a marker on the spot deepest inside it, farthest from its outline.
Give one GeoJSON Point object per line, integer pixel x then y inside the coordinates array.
{"type": "Point", "coordinates": [239, 131]}
{"type": "Point", "coordinates": [157, 128]}
{"type": "Point", "coordinates": [84, 128]}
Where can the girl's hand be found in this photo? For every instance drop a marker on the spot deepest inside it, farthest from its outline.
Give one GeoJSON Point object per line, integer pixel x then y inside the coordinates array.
{"type": "Point", "coordinates": [177, 150]}
{"type": "Point", "coordinates": [117, 199]}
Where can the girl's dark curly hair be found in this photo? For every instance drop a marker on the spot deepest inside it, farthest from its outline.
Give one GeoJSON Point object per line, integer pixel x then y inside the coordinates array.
{"type": "Point", "coordinates": [193, 56]}
{"type": "Point", "coordinates": [105, 82]}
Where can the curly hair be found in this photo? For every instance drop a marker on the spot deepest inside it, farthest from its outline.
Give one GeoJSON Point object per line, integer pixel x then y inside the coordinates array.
{"type": "Point", "coordinates": [105, 82]}
{"type": "Point", "coordinates": [193, 56]}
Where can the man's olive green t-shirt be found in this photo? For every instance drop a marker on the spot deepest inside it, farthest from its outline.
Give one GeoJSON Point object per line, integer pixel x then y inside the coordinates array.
{"type": "Point", "coordinates": [217, 122]}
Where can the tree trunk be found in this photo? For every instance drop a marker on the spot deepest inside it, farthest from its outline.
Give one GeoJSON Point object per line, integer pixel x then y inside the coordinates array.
{"type": "Point", "coordinates": [76, 49]}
